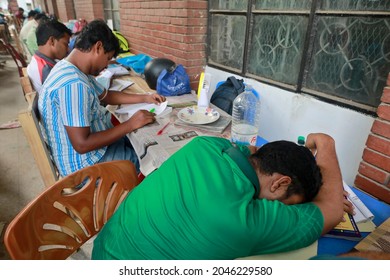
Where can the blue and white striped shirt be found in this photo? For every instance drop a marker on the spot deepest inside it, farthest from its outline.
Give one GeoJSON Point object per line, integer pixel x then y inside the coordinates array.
{"type": "Point", "coordinates": [71, 98]}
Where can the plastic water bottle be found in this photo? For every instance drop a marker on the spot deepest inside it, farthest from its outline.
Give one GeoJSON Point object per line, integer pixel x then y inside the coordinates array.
{"type": "Point", "coordinates": [246, 117]}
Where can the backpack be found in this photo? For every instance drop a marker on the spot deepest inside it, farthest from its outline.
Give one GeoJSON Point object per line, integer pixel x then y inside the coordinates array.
{"type": "Point", "coordinates": [225, 94]}
{"type": "Point", "coordinates": [123, 43]}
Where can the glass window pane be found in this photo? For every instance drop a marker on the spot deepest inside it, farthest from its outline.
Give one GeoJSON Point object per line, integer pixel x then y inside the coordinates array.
{"type": "Point", "coordinates": [107, 15]}
{"type": "Point", "coordinates": [356, 5]}
{"type": "Point", "coordinates": [229, 4]}
{"type": "Point", "coordinates": [116, 21]}
{"type": "Point", "coordinates": [283, 4]}
{"type": "Point", "coordinates": [115, 4]}
{"type": "Point", "coordinates": [276, 47]}
{"type": "Point", "coordinates": [107, 4]}
{"type": "Point", "coordinates": [351, 58]}
{"type": "Point", "coordinates": [227, 40]}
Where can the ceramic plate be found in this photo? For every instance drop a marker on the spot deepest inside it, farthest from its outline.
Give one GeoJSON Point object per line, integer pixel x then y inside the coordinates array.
{"type": "Point", "coordinates": [198, 115]}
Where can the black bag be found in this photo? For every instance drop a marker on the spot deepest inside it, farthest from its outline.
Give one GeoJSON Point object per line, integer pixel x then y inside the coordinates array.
{"type": "Point", "coordinates": [225, 94]}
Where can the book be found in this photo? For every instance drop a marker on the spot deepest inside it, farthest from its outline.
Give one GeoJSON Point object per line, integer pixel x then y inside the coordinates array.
{"type": "Point", "coordinates": [362, 213]}
{"type": "Point", "coordinates": [347, 229]}
{"type": "Point", "coordinates": [378, 240]}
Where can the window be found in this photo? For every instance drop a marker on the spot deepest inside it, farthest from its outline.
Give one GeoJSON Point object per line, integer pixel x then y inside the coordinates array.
{"type": "Point", "coordinates": [338, 50]}
{"type": "Point", "coordinates": [111, 13]}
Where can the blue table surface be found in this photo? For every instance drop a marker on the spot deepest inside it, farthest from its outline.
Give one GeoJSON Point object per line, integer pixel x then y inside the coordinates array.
{"type": "Point", "coordinates": [334, 246]}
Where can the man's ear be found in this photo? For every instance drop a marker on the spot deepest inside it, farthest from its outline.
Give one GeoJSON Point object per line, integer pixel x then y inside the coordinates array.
{"type": "Point", "coordinates": [280, 184]}
{"type": "Point", "coordinates": [51, 41]}
{"type": "Point", "coordinates": [99, 47]}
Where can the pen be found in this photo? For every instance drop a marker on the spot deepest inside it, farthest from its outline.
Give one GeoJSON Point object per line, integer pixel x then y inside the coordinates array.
{"type": "Point", "coordinates": [152, 110]}
{"type": "Point", "coordinates": [162, 129]}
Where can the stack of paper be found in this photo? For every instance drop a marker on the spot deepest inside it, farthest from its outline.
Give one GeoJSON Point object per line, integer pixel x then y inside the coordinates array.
{"type": "Point", "coordinates": [117, 70]}
{"type": "Point", "coordinates": [104, 78]}
{"type": "Point", "coordinates": [130, 109]}
{"type": "Point", "coordinates": [362, 213]}
{"type": "Point", "coordinates": [119, 85]}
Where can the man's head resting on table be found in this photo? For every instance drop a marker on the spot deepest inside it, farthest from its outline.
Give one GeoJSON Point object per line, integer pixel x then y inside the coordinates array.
{"type": "Point", "coordinates": [287, 172]}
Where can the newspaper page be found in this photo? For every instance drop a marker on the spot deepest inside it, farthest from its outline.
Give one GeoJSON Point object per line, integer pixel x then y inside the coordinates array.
{"type": "Point", "coordinates": [156, 142]}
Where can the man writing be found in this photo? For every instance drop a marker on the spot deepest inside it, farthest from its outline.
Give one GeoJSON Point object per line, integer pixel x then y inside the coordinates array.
{"type": "Point", "coordinates": [208, 201]}
{"type": "Point", "coordinates": [78, 129]}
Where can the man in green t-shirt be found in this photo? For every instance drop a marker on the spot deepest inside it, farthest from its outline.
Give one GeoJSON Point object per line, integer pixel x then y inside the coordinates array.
{"type": "Point", "coordinates": [204, 202]}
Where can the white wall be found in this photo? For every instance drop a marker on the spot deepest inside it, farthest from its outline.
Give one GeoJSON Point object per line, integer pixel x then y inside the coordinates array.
{"type": "Point", "coordinates": [286, 115]}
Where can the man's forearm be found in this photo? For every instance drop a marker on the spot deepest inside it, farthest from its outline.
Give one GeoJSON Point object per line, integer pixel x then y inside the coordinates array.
{"type": "Point", "coordinates": [330, 197]}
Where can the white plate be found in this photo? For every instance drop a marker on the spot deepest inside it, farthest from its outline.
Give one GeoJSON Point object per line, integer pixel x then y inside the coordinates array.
{"type": "Point", "coordinates": [198, 115]}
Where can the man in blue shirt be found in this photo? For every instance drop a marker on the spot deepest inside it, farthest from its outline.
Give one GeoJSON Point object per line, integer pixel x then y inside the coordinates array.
{"type": "Point", "coordinates": [78, 129]}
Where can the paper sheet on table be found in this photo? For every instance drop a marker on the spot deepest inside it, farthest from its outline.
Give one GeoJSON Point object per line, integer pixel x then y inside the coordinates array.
{"type": "Point", "coordinates": [119, 85]}
{"type": "Point", "coordinates": [117, 70]}
{"type": "Point", "coordinates": [130, 109]}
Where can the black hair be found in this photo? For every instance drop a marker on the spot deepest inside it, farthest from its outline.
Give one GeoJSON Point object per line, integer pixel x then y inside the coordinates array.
{"type": "Point", "coordinates": [295, 161]}
{"type": "Point", "coordinates": [97, 30]}
{"type": "Point", "coordinates": [40, 16]}
{"type": "Point", "coordinates": [32, 14]}
{"type": "Point", "coordinates": [48, 28]}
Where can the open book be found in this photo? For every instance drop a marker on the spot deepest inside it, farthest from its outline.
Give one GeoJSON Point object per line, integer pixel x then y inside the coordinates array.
{"type": "Point", "coordinates": [362, 213]}
{"type": "Point", "coordinates": [346, 230]}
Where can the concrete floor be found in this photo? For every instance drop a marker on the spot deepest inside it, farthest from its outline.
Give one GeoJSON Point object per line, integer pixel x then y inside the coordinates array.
{"type": "Point", "coordinates": [20, 180]}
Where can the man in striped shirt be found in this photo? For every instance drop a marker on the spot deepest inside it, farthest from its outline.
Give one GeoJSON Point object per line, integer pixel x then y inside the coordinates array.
{"type": "Point", "coordinates": [78, 129]}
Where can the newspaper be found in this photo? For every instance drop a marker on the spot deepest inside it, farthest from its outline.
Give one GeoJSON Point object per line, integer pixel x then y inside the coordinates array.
{"type": "Point", "coordinates": [153, 148]}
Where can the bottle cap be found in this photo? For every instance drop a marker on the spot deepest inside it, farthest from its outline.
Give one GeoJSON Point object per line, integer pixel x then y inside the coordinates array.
{"type": "Point", "coordinates": [301, 140]}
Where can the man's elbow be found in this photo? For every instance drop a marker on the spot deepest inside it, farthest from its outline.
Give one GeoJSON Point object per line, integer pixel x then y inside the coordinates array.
{"type": "Point", "coordinates": [81, 148]}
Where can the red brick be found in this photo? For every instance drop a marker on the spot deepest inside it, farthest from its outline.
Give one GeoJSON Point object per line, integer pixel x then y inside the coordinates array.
{"type": "Point", "coordinates": [382, 128]}
{"type": "Point", "coordinates": [376, 159]}
{"type": "Point", "coordinates": [384, 111]}
{"type": "Point", "coordinates": [373, 188]}
{"type": "Point", "coordinates": [373, 173]}
{"type": "Point", "coordinates": [386, 95]}
{"type": "Point", "coordinates": [379, 144]}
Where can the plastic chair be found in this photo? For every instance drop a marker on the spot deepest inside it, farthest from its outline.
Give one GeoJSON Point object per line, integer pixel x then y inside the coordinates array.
{"type": "Point", "coordinates": [69, 213]}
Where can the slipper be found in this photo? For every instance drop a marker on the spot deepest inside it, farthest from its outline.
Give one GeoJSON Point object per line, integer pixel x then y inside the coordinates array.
{"type": "Point", "coordinates": [10, 124]}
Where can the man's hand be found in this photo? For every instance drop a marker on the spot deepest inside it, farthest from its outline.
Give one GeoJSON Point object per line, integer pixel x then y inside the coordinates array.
{"type": "Point", "coordinates": [154, 98]}
{"type": "Point", "coordinates": [139, 119]}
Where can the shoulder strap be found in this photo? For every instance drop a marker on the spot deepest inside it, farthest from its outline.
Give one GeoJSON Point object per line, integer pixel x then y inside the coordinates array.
{"type": "Point", "coordinates": [236, 84]}
{"type": "Point", "coordinates": [243, 162]}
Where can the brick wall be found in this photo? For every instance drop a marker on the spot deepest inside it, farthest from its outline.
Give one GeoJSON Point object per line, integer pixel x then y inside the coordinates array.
{"type": "Point", "coordinates": [374, 170]}
{"type": "Point", "coordinates": [89, 9]}
{"type": "Point", "coordinates": [172, 29]}
{"type": "Point", "coordinates": [66, 10]}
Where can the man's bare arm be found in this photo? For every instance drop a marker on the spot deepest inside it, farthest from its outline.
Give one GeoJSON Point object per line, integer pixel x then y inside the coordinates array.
{"type": "Point", "coordinates": [330, 198]}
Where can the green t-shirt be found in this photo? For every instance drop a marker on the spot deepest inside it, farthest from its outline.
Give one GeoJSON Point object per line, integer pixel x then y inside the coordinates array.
{"type": "Point", "coordinates": [199, 205]}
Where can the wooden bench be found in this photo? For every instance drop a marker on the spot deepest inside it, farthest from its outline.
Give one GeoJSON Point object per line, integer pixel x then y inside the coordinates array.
{"type": "Point", "coordinates": [38, 146]}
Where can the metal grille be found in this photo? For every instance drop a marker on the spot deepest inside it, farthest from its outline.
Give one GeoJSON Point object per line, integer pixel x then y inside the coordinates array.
{"type": "Point", "coordinates": [335, 49]}
{"type": "Point", "coordinates": [277, 46]}
{"type": "Point", "coordinates": [351, 57]}
{"type": "Point", "coordinates": [227, 46]}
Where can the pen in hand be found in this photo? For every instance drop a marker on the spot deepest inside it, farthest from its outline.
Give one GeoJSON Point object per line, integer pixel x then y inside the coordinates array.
{"type": "Point", "coordinates": [152, 110]}
{"type": "Point", "coordinates": [162, 129]}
